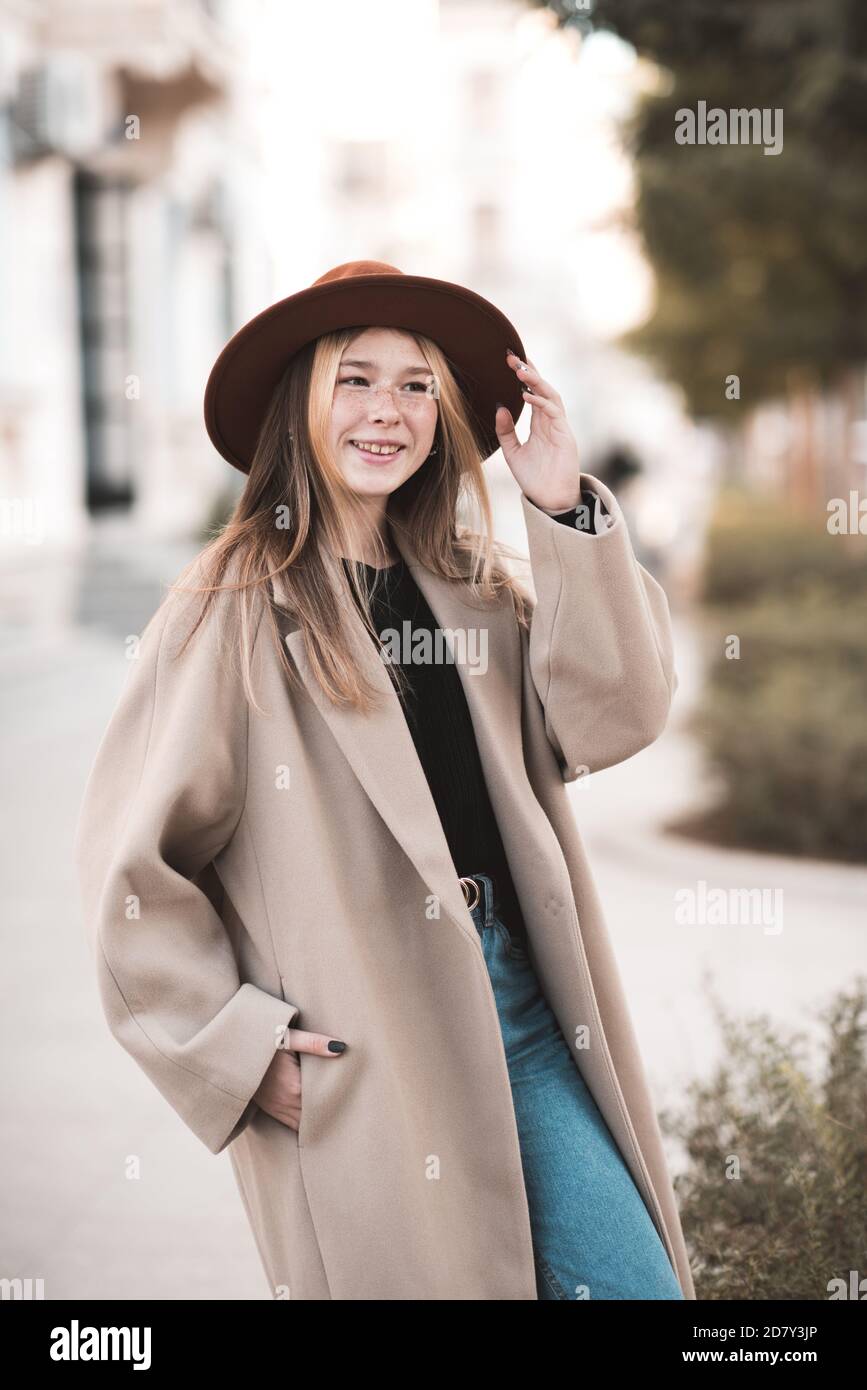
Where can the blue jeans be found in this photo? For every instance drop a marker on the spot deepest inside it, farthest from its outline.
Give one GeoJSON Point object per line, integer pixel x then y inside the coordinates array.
{"type": "Point", "coordinates": [593, 1236]}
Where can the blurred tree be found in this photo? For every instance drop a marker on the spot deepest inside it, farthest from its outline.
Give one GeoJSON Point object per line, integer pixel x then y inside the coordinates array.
{"type": "Point", "coordinates": [761, 260]}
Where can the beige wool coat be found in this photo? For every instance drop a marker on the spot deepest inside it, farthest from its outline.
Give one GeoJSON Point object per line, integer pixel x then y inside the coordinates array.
{"type": "Point", "coordinates": [241, 872]}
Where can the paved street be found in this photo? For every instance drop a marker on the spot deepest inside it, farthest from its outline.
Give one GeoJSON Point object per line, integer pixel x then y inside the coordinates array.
{"type": "Point", "coordinates": [75, 1106]}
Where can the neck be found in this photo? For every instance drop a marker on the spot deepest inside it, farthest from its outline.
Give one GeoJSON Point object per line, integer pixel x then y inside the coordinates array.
{"type": "Point", "coordinates": [371, 542]}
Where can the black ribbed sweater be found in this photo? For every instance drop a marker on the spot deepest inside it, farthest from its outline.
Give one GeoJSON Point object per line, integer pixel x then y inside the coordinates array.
{"type": "Point", "coordinates": [438, 718]}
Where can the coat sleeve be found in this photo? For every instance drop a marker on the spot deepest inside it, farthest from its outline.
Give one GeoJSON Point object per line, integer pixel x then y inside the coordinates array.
{"type": "Point", "coordinates": [164, 796]}
{"type": "Point", "coordinates": [600, 647]}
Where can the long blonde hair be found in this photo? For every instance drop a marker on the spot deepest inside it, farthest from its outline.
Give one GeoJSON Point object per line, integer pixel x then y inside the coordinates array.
{"type": "Point", "coordinates": [296, 506]}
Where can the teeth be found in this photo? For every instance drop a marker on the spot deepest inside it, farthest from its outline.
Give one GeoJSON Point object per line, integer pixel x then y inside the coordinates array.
{"type": "Point", "coordinates": [377, 448]}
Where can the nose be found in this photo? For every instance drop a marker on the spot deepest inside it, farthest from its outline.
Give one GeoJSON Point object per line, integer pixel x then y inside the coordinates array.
{"type": "Point", "coordinates": [382, 404]}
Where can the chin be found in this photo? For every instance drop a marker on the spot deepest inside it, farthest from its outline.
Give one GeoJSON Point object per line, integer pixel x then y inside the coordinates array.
{"type": "Point", "coordinates": [374, 487]}
{"type": "Point", "coordinates": [373, 482]}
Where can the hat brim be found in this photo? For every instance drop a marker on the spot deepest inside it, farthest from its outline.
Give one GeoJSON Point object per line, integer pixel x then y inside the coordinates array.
{"type": "Point", "coordinates": [472, 332]}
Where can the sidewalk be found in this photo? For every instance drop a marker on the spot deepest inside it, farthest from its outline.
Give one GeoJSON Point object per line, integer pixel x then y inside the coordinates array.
{"type": "Point", "coordinates": [76, 1108]}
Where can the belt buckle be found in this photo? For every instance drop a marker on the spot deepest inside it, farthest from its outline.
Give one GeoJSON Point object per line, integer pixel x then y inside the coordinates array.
{"type": "Point", "coordinates": [464, 882]}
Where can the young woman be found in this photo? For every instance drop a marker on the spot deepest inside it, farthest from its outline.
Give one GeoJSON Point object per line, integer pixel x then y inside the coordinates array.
{"type": "Point", "coordinates": [341, 910]}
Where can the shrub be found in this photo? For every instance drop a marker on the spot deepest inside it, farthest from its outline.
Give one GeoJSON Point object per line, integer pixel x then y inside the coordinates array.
{"type": "Point", "coordinates": [758, 546]}
{"type": "Point", "coordinates": [783, 725]}
{"type": "Point", "coordinates": [794, 1216]}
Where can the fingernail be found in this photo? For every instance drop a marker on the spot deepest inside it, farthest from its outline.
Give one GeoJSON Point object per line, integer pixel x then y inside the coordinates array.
{"type": "Point", "coordinates": [335, 1046]}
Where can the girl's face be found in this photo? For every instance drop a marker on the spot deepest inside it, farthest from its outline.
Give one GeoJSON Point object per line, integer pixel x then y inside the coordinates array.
{"type": "Point", "coordinates": [385, 395]}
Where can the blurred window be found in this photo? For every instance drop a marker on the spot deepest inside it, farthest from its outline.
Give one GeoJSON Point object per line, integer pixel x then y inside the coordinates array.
{"type": "Point", "coordinates": [101, 207]}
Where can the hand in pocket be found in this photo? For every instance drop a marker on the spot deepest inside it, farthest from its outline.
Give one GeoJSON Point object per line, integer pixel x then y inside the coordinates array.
{"type": "Point", "coordinates": [279, 1092]}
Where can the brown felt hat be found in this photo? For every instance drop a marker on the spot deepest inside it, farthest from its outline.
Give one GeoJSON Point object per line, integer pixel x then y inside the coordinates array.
{"type": "Point", "coordinates": [472, 333]}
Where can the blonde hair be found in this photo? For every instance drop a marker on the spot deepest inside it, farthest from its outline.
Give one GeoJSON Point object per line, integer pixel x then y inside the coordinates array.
{"type": "Point", "coordinates": [295, 478]}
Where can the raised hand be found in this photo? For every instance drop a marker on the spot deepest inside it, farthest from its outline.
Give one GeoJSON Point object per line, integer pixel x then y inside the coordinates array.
{"type": "Point", "coordinates": [546, 466]}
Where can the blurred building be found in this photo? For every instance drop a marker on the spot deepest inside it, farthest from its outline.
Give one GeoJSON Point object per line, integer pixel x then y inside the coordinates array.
{"type": "Point", "coordinates": [128, 186]}
{"type": "Point", "coordinates": [169, 169]}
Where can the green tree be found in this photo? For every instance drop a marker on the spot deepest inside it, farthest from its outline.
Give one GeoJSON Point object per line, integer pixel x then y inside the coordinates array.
{"type": "Point", "coordinates": [761, 260]}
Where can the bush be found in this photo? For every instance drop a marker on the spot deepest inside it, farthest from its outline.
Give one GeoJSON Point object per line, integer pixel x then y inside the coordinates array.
{"type": "Point", "coordinates": [756, 546]}
{"type": "Point", "coordinates": [793, 1215]}
{"type": "Point", "coordinates": [783, 724]}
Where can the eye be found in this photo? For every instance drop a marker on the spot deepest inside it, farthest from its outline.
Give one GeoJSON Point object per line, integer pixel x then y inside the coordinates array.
{"type": "Point", "coordinates": [348, 380]}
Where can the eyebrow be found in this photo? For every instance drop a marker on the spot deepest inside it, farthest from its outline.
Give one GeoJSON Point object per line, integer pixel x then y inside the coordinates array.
{"type": "Point", "coordinates": [408, 371]}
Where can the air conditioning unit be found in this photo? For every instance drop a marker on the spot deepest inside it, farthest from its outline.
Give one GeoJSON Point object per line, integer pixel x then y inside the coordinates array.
{"type": "Point", "coordinates": [61, 107]}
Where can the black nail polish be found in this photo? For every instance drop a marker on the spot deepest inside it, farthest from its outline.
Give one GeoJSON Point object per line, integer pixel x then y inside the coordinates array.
{"type": "Point", "coordinates": [335, 1046]}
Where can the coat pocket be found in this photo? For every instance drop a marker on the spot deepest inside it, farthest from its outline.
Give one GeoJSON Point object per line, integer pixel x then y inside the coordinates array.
{"type": "Point", "coordinates": [307, 1061]}
{"type": "Point", "coordinates": [298, 1058]}
{"type": "Point", "coordinates": [327, 1086]}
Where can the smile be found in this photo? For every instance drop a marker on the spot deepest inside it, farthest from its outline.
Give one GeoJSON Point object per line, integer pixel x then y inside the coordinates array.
{"type": "Point", "coordinates": [377, 450]}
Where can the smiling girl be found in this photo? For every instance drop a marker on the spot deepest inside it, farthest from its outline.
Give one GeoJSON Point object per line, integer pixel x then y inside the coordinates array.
{"type": "Point", "coordinates": [284, 820]}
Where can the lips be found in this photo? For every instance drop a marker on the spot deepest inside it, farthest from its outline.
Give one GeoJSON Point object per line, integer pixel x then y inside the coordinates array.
{"type": "Point", "coordinates": [391, 453]}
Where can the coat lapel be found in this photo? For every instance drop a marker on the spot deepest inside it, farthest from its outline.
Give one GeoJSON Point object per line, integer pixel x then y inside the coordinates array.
{"type": "Point", "coordinates": [379, 747]}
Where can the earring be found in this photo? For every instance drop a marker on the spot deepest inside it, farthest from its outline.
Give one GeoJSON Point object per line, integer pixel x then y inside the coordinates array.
{"type": "Point", "coordinates": [434, 450]}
